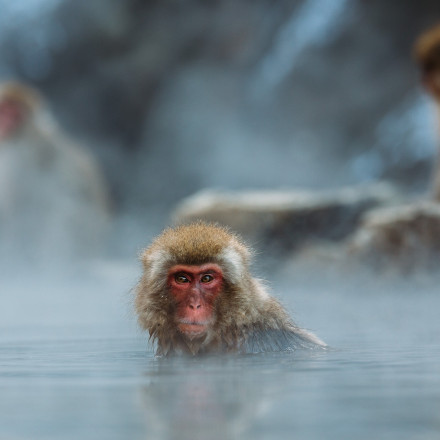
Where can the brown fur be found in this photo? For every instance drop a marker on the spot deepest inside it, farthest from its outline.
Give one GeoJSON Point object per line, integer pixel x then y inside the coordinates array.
{"type": "Point", "coordinates": [427, 50]}
{"type": "Point", "coordinates": [246, 318]}
{"type": "Point", "coordinates": [427, 54]}
{"type": "Point", "coordinates": [29, 103]}
{"type": "Point", "coordinates": [21, 94]}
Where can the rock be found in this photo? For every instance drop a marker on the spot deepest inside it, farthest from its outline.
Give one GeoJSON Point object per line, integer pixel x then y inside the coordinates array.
{"type": "Point", "coordinates": [406, 237]}
{"type": "Point", "coordinates": [284, 220]}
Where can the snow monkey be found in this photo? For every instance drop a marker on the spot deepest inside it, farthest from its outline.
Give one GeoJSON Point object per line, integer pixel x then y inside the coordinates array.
{"type": "Point", "coordinates": [427, 53]}
{"type": "Point", "coordinates": [197, 296]}
{"type": "Point", "coordinates": [16, 104]}
{"type": "Point", "coordinates": [54, 200]}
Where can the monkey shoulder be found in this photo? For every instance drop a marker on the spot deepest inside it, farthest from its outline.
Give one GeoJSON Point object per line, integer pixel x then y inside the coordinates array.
{"type": "Point", "coordinates": [274, 331]}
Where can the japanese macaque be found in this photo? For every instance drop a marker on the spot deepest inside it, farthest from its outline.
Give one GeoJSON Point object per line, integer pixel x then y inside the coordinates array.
{"type": "Point", "coordinates": [197, 296]}
{"type": "Point", "coordinates": [53, 200]}
{"type": "Point", "coordinates": [427, 53]}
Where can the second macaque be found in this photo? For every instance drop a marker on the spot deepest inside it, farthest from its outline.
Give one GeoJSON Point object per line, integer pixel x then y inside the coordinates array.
{"type": "Point", "coordinates": [197, 296]}
{"type": "Point", "coordinates": [427, 53]}
{"type": "Point", "coordinates": [53, 199]}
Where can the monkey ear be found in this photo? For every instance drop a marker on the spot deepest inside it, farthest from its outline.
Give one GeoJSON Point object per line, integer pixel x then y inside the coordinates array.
{"type": "Point", "coordinates": [143, 257]}
{"type": "Point", "coordinates": [146, 256]}
{"type": "Point", "coordinates": [236, 260]}
{"type": "Point", "coordinates": [154, 261]}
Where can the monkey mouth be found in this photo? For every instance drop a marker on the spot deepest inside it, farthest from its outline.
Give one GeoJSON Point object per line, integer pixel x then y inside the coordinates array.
{"type": "Point", "coordinates": [192, 328]}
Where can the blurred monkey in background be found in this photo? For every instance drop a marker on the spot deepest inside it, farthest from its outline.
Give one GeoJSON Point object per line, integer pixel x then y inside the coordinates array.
{"type": "Point", "coordinates": [427, 54]}
{"type": "Point", "coordinates": [54, 202]}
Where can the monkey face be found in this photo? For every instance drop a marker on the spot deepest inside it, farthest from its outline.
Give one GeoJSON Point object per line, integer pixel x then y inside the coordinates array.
{"type": "Point", "coordinates": [197, 296]}
{"type": "Point", "coordinates": [11, 117]}
{"type": "Point", "coordinates": [194, 290]}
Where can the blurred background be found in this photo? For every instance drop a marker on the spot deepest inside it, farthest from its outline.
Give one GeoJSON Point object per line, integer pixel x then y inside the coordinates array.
{"type": "Point", "coordinates": [172, 97]}
{"type": "Point", "coordinates": [137, 105]}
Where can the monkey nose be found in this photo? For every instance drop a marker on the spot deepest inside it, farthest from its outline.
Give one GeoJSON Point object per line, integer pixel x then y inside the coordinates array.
{"type": "Point", "coordinates": [194, 306]}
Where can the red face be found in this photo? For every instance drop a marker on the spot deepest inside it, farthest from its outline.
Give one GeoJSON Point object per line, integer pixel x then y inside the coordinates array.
{"type": "Point", "coordinates": [195, 289]}
{"type": "Point", "coordinates": [11, 116]}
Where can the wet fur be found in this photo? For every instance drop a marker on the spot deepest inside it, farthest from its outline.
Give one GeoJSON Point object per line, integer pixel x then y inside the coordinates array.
{"type": "Point", "coordinates": [247, 319]}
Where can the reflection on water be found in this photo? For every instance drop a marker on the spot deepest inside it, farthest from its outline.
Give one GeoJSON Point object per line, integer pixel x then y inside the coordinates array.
{"type": "Point", "coordinates": [90, 379]}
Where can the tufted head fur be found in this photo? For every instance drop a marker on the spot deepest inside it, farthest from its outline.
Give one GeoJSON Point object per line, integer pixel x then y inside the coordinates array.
{"type": "Point", "coordinates": [245, 317]}
{"type": "Point", "coordinates": [196, 244]}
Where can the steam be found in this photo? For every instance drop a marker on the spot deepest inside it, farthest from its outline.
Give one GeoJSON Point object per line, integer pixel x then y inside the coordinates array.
{"type": "Point", "coordinates": [316, 23]}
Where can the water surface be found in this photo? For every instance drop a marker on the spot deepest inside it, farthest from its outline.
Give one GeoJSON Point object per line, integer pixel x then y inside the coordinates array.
{"type": "Point", "coordinates": [73, 365]}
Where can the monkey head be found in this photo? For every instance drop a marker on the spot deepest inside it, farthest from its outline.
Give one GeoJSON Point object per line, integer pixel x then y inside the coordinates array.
{"type": "Point", "coordinates": [427, 54]}
{"type": "Point", "coordinates": [17, 103]}
{"type": "Point", "coordinates": [197, 295]}
{"type": "Point", "coordinates": [187, 292]}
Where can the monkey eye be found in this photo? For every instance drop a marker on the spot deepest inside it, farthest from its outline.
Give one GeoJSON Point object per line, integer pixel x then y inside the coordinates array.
{"type": "Point", "coordinates": [181, 279]}
{"type": "Point", "coordinates": [206, 278]}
